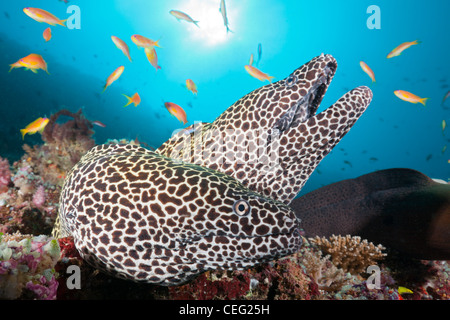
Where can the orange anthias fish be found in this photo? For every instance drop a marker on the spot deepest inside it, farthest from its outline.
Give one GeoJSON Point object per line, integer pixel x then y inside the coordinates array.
{"type": "Point", "coordinates": [183, 16]}
{"type": "Point", "coordinates": [113, 77]}
{"type": "Point", "coordinates": [258, 74]}
{"type": "Point", "coordinates": [31, 62]}
{"type": "Point", "coordinates": [144, 42]}
{"type": "Point", "coordinates": [409, 97]}
{"type": "Point", "coordinates": [120, 44]}
{"type": "Point", "coordinates": [191, 86]}
{"type": "Point", "coordinates": [397, 51]}
{"type": "Point", "coordinates": [37, 125]}
{"type": "Point", "coordinates": [136, 99]}
{"type": "Point", "coordinates": [176, 111]}
{"type": "Point", "coordinates": [47, 34]}
{"type": "Point", "coordinates": [367, 70]}
{"type": "Point", "coordinates": [150, 52]}
{"type": "Point", "coordinates": [43, 16]}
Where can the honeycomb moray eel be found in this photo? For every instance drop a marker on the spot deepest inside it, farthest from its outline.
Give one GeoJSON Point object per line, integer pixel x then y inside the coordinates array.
{"type": "Point", "coordinates": [399, 208]}
{"type": "Point", "coordinates": [271, 139]}
{"type": "Point", "coordinates": [139, 215]}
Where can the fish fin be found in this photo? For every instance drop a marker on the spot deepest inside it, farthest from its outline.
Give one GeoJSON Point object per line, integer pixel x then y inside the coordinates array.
{"type": "Point", "coordinates": [196, 23]}
{"type": "Point", "coordinates": [229, 30]}
{"type": "Point", "coordinates": [12, 67]}
{"type": "Point", "coordinates": [32, 70]}
{"type": "Point", "coordinates": [423, 101]}
{"type": "Point", "coordinates": [61, 22]}
{"type": "Point", "coordinates": [157, 44]}
{"type": "Point", "coordinates": [270, 78]}
{"type": "Point", "coordinates": [129, 100]}
{"type": "Point", "coordinates": [417, 42]}
{"type": "Point", "coordinates": [23, 132]}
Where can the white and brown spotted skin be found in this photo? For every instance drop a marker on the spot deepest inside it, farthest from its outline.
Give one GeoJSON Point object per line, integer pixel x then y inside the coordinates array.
{"type": "Point", "coordinates": [282, 117]}
{"type": "Point", "coordinates": [145, 217]}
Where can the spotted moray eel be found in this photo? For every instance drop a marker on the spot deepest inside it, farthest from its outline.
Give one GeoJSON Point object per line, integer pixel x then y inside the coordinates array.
{"type": "Point", "coordinates": [142, 216]}
{"type": "Point", "coordinates": [271, 140]}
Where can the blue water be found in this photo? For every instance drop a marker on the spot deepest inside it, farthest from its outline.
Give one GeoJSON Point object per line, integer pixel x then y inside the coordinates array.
{"type": "Point", "coordinates": [391, 133]}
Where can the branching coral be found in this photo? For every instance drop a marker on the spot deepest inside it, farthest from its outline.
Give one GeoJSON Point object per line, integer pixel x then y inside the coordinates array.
{"type": "Point", "coordinates": [325, 274]}
{"type": "Point", "coordinates": [351, 254]}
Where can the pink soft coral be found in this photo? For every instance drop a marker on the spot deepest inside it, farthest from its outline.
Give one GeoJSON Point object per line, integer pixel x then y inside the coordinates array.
{"type": "Point", "coordinates": [5, 175]}
{"type": "Point", "coordinates": [39, 197]}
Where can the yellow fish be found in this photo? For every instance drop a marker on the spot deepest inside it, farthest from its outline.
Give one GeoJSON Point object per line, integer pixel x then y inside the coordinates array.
{"type": "Point", "coordinates": [120, 44]}
{"type": "Point", "coordinates": [191, 86]}
{"type": "Point", "coordinates": [258, 74]}
{"type": "Point", "coordinates": [136, 99]}
{"type": "Point", "coordinates": [183, 16]}
{"type": "Point", "coordinates": [43, 16]}
{"type": "Point", "coordinates": [47, 34]}
{"type": "Point", "coordinates": [144, 42]}
{"type": "Point", "coordinates": [176, 111]}
{"type": "Point", "coordinates": [397, 51]}
{"type": "Point", "coordinates": [152, 57]}
{"type": "Point", "coordinates": [402, 290]}
{"type": "Point", "coordinates": [37, 125]}
{"type": "Point", "coordinates": [409, 97]}
{"type": "Point", "coordinates": [31, 62]}
{"type": "Point", "coordinates": [367, 70]}
{"type": "Point", "coordinates": [113, 77]}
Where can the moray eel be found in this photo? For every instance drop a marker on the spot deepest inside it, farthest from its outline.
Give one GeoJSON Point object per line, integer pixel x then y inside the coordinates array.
{"type": "Point", "coordinates": [271, 140]}
{"type": "Point", "coordinates": [400, 208]}
{"type": "Point", "coordinates": [142, 216]}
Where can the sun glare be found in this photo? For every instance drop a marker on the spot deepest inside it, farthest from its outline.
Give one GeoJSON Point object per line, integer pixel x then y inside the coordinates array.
{"type": "Point", "coordinates": [211, 29]}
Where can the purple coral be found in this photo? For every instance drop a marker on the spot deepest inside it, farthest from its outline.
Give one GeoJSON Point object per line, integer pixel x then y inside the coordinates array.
{"type": "Point", "coordinates": [5, 175]}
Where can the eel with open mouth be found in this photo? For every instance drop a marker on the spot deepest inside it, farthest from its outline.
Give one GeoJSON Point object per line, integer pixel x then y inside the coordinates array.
{"type": "Point", "coordinates": [271, 140]}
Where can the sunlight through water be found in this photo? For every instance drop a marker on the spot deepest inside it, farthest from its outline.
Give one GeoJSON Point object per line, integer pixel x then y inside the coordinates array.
{"type": "Point", "coordinates": [211, 29]}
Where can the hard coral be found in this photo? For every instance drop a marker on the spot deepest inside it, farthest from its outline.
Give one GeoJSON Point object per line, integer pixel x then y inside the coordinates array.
{"type": "Point", "coordinates": [351, 254]}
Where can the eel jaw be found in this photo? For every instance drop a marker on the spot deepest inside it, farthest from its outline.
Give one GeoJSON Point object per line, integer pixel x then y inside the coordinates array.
{"type": "Point", "coordinates": [308, 103]}
{"type": "Point", "coordinates": [304, 145]}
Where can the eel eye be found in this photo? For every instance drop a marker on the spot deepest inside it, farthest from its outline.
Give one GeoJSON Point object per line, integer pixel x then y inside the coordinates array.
{"type": "Point", "coordinates": [241, 207]}
{"type": "Point", "coordinates": [291, 80]}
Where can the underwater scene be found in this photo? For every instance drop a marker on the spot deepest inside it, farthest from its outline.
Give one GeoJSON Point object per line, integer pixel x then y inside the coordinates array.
{"type": "Point", "coordinates": [224, 150]}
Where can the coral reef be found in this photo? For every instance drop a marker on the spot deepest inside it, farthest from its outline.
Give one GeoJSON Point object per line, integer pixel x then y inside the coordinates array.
{"type": "Point", "coordinates": [5, 175]}
{"type": "Point", "coordinates": [34, 266]}
{"type": "Point", "coordinates": [27, 267]}
{"type": "Point", "coordinates": [352, 254]}
{"type": "Point", "coordinates": [64, 145]}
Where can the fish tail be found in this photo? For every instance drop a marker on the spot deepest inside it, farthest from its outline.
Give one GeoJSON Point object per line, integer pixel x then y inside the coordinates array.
{"type": "Point", "coordinates": [270, 78]}
{"type": "Point", "coordinates": [61, 22]}
{"type": "Point", "coordinates": [12, 67]}
{"type": "Point", "coordinates": [157, 44]}
{"type": "Point", "coordinates": [417, 42]}
{"type": "Point", "coordinates": [129, 100]}
{"type": "Point", "coordinates": [196, 23]}
{"type": "Point", "coordinates": [423, 101]}
{"type": "Point", "coordinates": [23, 132]}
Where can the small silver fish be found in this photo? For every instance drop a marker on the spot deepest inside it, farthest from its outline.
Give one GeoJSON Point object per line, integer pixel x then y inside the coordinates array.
{"type": "Point", "coordinates": [223, 11]}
